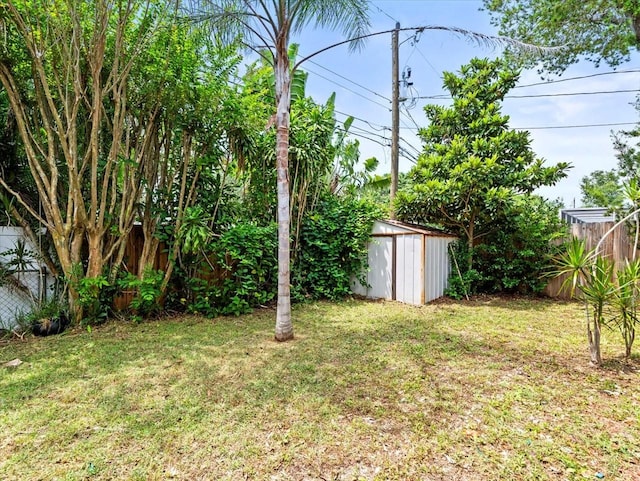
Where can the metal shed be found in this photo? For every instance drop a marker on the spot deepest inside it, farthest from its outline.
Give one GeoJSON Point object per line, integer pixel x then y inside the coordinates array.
{"type": "Point", "coordinates": [407, 263]}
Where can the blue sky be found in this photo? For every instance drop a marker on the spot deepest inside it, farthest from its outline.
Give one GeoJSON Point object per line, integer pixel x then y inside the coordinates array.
{"type": "Point", "coordinates": [362, 82]}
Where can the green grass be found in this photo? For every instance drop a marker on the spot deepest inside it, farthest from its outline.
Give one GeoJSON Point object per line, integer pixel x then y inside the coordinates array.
{"type": "Point", "coordinates": [491, 389]}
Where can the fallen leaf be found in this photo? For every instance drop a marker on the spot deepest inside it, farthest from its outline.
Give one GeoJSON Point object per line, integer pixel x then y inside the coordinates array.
{"type": "Point", "coordinates": [15, 363]}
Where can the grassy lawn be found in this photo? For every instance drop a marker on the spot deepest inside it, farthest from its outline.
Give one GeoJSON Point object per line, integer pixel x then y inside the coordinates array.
{"type": "Point", "coordinates": [491, 389]}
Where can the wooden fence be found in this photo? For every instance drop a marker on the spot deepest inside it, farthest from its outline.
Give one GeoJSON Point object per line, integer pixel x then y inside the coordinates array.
{"type": "Point", "coordinates": [618, 246]}
{"type": "Point", "coordinates": [132, 255]}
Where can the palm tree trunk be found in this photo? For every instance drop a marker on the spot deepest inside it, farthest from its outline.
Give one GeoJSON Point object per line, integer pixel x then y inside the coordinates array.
{"type": "Point", "coordinates": [284, 325]}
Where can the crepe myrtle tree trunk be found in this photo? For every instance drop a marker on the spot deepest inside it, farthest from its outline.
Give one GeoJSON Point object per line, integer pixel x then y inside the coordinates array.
{"type": "Point", "coordinates": [284, 325]}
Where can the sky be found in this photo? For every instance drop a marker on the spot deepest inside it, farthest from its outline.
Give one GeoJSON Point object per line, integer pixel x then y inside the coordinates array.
{"type": "Point", "coordinates": [362, 82]}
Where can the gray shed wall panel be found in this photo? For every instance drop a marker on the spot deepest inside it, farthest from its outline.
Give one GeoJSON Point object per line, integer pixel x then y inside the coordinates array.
{"type": "Point", "coordinates": [380, 264]}
{"type": "Point", "coordinates": [438, 267]}
{"type": "Point", "coordinates": [408, 255]}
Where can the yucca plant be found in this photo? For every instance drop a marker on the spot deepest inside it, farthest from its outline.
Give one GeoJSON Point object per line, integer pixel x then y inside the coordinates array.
{"type": "Point", "coordinates": [610, 297]}
{"type": "Point", "coordinates": [574, 262]}
{"type": "Point", "coordinates": [598, 290]}
{"type": "Point", "coordinates": [625, 303]}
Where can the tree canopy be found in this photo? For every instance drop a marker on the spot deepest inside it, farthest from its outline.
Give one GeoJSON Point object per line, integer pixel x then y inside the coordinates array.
{"type": "Point", "coordinates": [598, 30]}
{"type": "Point", "coordinates": [602, 188]}
{"type": "Point", "coordinates": [473, 164]}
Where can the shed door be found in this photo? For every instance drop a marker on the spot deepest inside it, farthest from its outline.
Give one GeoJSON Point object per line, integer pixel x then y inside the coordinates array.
{"type": "Point", "coordinates": [380, 268]}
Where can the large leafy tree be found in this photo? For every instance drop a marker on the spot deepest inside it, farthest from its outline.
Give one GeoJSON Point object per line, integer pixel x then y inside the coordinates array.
{"type": "Point", "coordinates": [598, 30]}
{"type": "Point", "coordinates": [602, 188]}
{"type": "Point", "coordinates": [65, 68]}
{"type": "Point", "coordinates": [117, 117]}
{"type": "Point", "coordinates": [473, 164]}
{"type": "Point", "coordinates": [266, 26]}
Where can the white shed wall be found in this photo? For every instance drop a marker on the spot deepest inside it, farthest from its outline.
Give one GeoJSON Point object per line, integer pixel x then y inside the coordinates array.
{"type": "Point", "coordinates": [384, 228]}
{"type": "Point", "coordinates": [408, 268]}
{"type": "Point", "coordinates": [437, 266]}
{"type": "Point", "coordinates": [421, 264]}
{"type": "Point", "coordinates": [380, 262]}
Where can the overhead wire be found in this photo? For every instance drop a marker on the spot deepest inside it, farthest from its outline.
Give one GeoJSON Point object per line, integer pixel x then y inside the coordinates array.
{"type": "Point", "coordinates": [368, 122]}
{"type": "Point", "coordinates": [417, 151]}
{"type": "Point", "coordinates": [531, 96]}
{"type": "Point", "coordinates": [569, 94]}
{"type": "Point", "coordinates": [348, 89]}
{"type": "Point", "coordinates": [580, 77]}
{"type": "Point", "coordinates": [350, 81]}
{"type": "Point", "coordinates": [384, 13]}
{"type": "Point", "coordinates": [362, 136]}
{"type": "Point", "coordinates": [552, 127]}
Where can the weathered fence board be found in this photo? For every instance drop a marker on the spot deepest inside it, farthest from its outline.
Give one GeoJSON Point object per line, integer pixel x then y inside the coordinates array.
{"type": "Point", "coordinates": [132, 255]}
{"type": "Point", "coordinates": [618, 246]}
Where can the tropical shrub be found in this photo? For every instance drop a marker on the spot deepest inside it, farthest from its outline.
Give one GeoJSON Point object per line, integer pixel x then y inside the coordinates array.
{"type": "Point", "coordinates": [610, 295]}
{"type": "Point", "coordinates": [516, 255]}
{"type": "Point", "coordinates": [333, 247]}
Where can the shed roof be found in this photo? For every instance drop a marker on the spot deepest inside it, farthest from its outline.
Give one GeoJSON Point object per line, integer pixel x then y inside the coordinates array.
{"type": "Point", "coordinates": [415, 228]}
{"type": "Point", "coordinates": [587, 215]}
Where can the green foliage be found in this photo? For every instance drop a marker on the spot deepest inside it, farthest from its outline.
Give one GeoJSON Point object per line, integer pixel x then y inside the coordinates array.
{"type": "Point", "coordinates": [50, 309]}
{"type": "Point", "coordinates": [596, 30]}
{"type": "Point", "coordinates": [475, 177]}
{"type": "Point", "coordinates": [333, 247]}
{"type": "Point", "coordinates": [239, 272]}
{"type": "Point", "coordinates": [610, 295]}
{"type": "Point", "coordinates": [95, 296]}
{"type": "Point", "coordinates": [517, 255]}
{"type": "Point", "coordinates": [463, 280]}
{"type": "Point", "coordinates": [625, 302]}
{"type": "Point", "coordinates": [248, 255]}
{"type": "Point", "coordinates": [602, 188]}
{"type": "Point", "coordinates": [147, 299]}
{"type": "Point", "coordinates": [312, 149]}
{"type": "Point", "coordinates": [194, 230]}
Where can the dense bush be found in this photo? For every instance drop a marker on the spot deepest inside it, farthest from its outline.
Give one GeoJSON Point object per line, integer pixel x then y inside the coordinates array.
{"type": "Point", "coordinates": [239, 271]}
{"type": "Point", "coordinates": [237, 274]}
{"type": "Point", "coordinates": [515, 256]}
{"type": "Point", "coordinates": [333, 247]}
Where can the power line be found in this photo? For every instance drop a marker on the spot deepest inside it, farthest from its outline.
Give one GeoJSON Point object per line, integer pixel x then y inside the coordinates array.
{"type": "Point", "coordinates": [568, 79]}
{"type": "Point", "coordinates": [552, 127]}
{"type": "Point", "coordinates": [369, 123]}
{"type": "Point", "coordinates": [385, 13]}
{"type": "Point", "coordinates": [364, 137]}
{"type": "Point", "coordinates": [410, 145]}
{"type": "Point", "coordinates": [360, 129]}
{"type": "Point", "coordinates": [348, 89]}
{"type": "Point", "coordinates": [350, 81]}
{"type": "Point", "coordinates": [531, 96]}
{"type": "Point", "coordinates": [408, 155]}
{"type": "Point", "coordinates": [408, 114]}
{"type": "Point", "coordinates": [569, 94]}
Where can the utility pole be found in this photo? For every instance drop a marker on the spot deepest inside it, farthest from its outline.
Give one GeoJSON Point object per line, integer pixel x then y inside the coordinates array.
{"type": "Point", "coordinates": [395, 116]}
